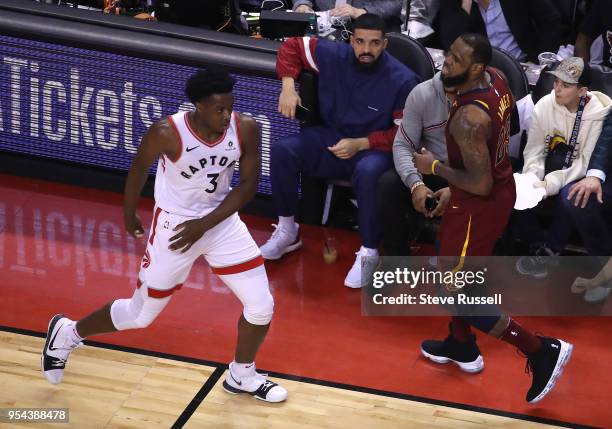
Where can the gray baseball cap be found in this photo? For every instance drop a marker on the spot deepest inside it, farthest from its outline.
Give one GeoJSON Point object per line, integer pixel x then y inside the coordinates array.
{"type": "Point", "coordinates": [573, 70]}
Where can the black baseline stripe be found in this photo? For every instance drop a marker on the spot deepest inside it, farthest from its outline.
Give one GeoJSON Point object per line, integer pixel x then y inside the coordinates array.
{"type": "Point", "coordinates": [198, 398]}
{"type": "Point", "coordinates": [430, 401]}
{"type": "Point", "coordinates": [362, 389]}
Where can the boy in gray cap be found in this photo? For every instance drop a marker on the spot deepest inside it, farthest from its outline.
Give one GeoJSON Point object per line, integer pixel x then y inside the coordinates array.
{"type": "Point", "coordinates": [565, 127]}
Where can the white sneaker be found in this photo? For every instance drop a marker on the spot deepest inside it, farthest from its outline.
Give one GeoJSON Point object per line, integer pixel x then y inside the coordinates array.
{"type": "Point", "coordinates": [597, 294]}
{"type": "Point", "coordinates": [354, 279]}
{"type": "Point", "coordinates": [255, 385]}
{"type": "Point", "coordinates": [57, 348]}
{"type": "Point", "coordinates": [282, 241]}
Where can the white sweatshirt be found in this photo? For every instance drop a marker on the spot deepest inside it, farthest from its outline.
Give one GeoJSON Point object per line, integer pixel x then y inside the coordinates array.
{"type": "Point", "coordinates": [552, 121]}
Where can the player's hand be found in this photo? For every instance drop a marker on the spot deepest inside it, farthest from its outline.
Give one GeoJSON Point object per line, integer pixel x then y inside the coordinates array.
{"type": "Point", "coordinates": [443, 195]}
{"type": "Point", "coordinates": [423, 161]}
{"type": "Point", "coordinates": [287, 101]}
{"type": "Point", "coordinates": [582, 191]}
{"type": "Point", "coordinates": [419, 195]}
{"type": "Point", "coordinates": [188, 233]}
{"type": "Point", "coordinates": [582, 285]}
{"type": "Point", "coordinates": [303, 8]}
{"type": "Point", "coordinates": [347, 10]}
{"type": "Point", "coordinates": [346, 148]}
{"type": "Point", "coordinates": [133, 225]}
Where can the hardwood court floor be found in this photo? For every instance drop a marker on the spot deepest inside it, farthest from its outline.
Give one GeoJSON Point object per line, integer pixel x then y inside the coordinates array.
{"type": "Point", "coordinates": [63, 249]}
{"type": "Point", "coordinates": [103, 388]}
{"type": "Point", "coordinates": [114, 389]}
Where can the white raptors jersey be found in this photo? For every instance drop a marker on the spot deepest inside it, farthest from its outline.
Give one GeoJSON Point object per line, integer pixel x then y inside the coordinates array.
{"type": "Point", "coordinates": [199, 179]}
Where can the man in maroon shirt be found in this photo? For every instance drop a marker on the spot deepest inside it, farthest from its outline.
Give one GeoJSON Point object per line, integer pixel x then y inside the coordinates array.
{"type": "Point", "coordinates": [482, 197]}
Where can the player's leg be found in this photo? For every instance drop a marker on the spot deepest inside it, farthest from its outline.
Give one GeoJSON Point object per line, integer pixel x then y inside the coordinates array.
{"type": "Point", "coordinates": [460, 345]}
{"type": "Point", "coordinates": [162, 272]}
{"type": "Point", "coordinates": [546, 356]}
{"type": "Point", "coordinates": [251, 287]}
{"type": "Point", "coordinates": [235, 258]}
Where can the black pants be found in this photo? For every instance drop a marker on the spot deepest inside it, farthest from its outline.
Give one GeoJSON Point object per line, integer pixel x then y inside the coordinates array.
{"type": "Point", "coordinates": [400, 222]}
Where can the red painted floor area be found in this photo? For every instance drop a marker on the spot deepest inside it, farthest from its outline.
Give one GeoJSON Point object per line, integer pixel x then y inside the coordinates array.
{"type": "Point", "coordinates": [62, 248]}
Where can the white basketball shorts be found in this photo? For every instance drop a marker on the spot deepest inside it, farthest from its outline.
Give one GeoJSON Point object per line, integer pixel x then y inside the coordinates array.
{"type": "Point", "coordinates": [228, 248]}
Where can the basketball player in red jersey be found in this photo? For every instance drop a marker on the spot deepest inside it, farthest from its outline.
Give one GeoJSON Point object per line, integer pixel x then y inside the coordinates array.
{"type": "Point", "coordinates": [195, 214]}
{"type": "Point", "coordinates": [482, 197]}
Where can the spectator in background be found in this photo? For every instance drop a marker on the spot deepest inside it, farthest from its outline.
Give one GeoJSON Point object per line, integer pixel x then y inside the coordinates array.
{"type": "Point", "coordinates": [592, 216]}
{"type": "Point", "coordinates": [598, 22]}
{"type": "Point", "coordinates": [389, 10]}
{"type": "Point", "coordinates": [362, 90]}
{"type": "Point", "coordinates": [523, 28]}
{"type": "Point", "coordinates": [559, 155]}
{"type": "Point", "coordinates": [603, 280]}
{"type": "Point", "coordinates": [402, 192]}
{"type": "Point", "coordinates": [421, 17]}
{"type": "Point", "coordinates": [135, 8]}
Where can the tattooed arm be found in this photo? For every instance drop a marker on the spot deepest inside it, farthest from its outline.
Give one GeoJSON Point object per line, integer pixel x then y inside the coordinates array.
{"type": "Point", "coordinates": [470, 128]}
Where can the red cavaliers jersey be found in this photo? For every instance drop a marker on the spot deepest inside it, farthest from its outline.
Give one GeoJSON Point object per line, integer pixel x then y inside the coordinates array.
{"type": "Point", "coordinates": [497, 102]}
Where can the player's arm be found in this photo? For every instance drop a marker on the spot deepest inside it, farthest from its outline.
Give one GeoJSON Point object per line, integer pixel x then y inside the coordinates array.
{"type": "Point", "coordinates": [159, 139]}
{"type": "Point", "coordinates": [190, 231]}
{"type": "Point", "coordinates": [471, 128]}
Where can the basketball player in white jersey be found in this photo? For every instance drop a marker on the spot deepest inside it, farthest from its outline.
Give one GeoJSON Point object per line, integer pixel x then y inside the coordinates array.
{"type": "Point", "coordinates": [195, 214]}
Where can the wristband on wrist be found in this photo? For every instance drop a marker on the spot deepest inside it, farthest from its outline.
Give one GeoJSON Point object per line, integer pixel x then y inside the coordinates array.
{"type": "Point", "coordinates": [433, 166]}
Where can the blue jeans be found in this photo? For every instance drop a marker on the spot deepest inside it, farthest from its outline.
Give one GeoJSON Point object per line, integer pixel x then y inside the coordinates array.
{"type": "Point", "coordinates": [591, 222]}
{"type": "Point", "coordinates": [307, 153]}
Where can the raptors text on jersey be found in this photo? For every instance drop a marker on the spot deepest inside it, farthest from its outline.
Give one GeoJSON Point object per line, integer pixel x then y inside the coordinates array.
{"type": "Point", "coordinates": [199, 179]}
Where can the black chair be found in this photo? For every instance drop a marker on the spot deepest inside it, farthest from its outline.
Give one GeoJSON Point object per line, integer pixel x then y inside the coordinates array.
{"type": "Point", "coordinates": [515, 75]}
{"type": "Point", "coordinates": [411, 53]}
{"type": "Point", "coordinates": [545, 83]}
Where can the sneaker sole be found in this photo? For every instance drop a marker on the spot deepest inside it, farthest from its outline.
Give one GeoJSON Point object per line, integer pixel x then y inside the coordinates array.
{"type": "Point", "coordinates": [233, 391]}
{"type": "Point", "coordinates": [50, 327]}
{"type": "Point", "coordinates": [594, 300]}
{"type": "Point", "coordinates": [564, 356]}
{"type": "Point", "coordinates": [287, 249]}
{"type": "Point", "coordinates": [469, 367]}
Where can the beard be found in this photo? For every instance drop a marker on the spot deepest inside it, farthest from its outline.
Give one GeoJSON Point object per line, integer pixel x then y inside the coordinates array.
{"type": "Point", "coordinates": [454, 81]}
{"type": "Point", "coordinates": [367, 66]}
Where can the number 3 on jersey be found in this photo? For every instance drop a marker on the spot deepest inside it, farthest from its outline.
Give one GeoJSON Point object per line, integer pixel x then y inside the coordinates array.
{"type": "Point", "coordinates": [212, 185]}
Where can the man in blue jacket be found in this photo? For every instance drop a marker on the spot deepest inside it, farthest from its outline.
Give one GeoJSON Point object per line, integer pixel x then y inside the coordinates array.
{"type": "Point", "coordinates": [362, 90]}
{"type": "Point", "coordinates": [591, 216]}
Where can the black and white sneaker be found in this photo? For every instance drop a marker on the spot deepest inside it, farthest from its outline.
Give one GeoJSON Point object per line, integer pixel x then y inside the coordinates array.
{"type": "Point", "coordinates": [57, 348]}
{"type": "Point", "coordinates": [255, 385]}
{"type": "Point", "coordinates": [546, 367]}
{"type": "Point", "coordinates": [539, 263]}
{"type": "Point", "coordinates": [465, 354]}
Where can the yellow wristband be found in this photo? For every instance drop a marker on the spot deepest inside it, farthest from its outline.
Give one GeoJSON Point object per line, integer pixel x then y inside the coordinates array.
{"type": "Point", "coordinates": [433, 166]}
